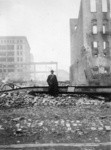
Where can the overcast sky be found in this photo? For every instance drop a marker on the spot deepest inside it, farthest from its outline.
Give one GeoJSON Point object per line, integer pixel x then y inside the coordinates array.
{"type": "Point", "coordinates": [45, 23]}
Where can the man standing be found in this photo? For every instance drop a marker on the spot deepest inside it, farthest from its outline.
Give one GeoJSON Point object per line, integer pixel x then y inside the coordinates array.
{"type": "Point", "coordinates": [53, 84]}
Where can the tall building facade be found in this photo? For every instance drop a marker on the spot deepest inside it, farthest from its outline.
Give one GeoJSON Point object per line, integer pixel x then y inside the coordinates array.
{"type": "Point", "coordinates": [91, 44]}
{"type": "Point", "coordinates": [14, 51]}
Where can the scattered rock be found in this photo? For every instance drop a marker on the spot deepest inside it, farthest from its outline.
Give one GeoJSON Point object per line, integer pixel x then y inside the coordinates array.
{"type": "Point", "coordinates": [18, 141]}
{"type": "Point", "coordinates": [93, 128]}
{"type": "Point", "coordinates": [1, 127]}
{"type": "Point", "coordinates": [100, 128]}
{"type": "Point", "coordinates": [41, 123]}
{"type": "Point", "coordinates": [108, 128]}
{"type": "Point", "coordinates": [97, 140]}
{"type": "Point", "coordinates": [75, 124]}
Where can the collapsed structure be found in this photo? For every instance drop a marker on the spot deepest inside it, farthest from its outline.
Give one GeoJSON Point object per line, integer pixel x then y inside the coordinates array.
{"type": "Point", "coordinates": [91, 44]}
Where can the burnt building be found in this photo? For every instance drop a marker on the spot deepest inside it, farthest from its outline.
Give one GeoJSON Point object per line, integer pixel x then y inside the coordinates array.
{"type": "Point", "coordinates": [14, 52]}
{"type": "Point", "coordinates": [91, 44]}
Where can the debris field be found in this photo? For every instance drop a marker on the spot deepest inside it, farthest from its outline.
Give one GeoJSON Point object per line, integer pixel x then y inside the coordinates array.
{"type": "Point", "coordinates": [45, 119]}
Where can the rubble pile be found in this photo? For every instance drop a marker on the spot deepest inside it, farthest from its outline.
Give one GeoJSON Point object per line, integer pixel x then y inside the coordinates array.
{"type": "Point", "coordinates": [23, 99]}
{"type": "Point", "coordinates": [46, 119]}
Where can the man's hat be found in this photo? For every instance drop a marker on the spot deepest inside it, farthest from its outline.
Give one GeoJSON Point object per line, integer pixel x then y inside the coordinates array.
{"type": "Point", "coordinates": [52, 71]}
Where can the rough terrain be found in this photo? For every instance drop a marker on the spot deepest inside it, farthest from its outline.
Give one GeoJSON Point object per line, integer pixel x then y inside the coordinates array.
{"type": "Point", "coordinates": [45, 119]}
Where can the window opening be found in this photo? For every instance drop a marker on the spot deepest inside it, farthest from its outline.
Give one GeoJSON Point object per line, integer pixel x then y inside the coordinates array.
{"type": "Point", "coordinates": [104, 6]}
{"type": "Point", "coordinates": [95, 45]}
{"type": "Point", "coordinates": [104, 29]}
{"type": "Point", "coordinates": [17, 46]}
{"type": "Point", "coordinates": [94, 29]}
{"type": "Point", "coordinates": [105, 26]}
{"type": "Point", "coordinates": [105, 48]}
{"type": "Point", "coordinates": [75, 27]}
{"type": "Point", "coordinates": [21, 59]}
{"type": "Point", "coordinates": [21, 53]}
{"type": "Point", "coordinates": [95, 49]}
{"type": "Point", "coordinates": [20, 46]}
{"type": "Point", "coordinates": [93, 5]}
{"type": "Point", "coordinates": [10, 59]}
{"type": "Point", "coordinates": [104, 45]}
{"type": "Point", "coordinates": [17, 52]}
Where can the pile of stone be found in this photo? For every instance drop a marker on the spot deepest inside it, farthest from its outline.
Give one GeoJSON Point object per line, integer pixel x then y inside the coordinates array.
{"type": "Point", "coordinates": [65, 118]}
{"type": "Point", "coordinates": [23, 99]}
{"type": "Point", "coordinates": [57, 129]}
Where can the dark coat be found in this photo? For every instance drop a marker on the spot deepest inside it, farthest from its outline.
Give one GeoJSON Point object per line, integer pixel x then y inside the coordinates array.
{"type": "Point", "coordinates": [53, 85]}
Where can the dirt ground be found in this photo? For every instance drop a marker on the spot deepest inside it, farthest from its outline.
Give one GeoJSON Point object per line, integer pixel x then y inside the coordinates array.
{"type": "Point", "coordinates": [44, 119]}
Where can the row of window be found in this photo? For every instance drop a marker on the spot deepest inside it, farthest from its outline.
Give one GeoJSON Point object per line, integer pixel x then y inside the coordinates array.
{"type": "Point", "coordinates": [104, 27]}
{"type": "Point", "coordinates": [11, 41]}
{"type": "Point", "coordinates": [95, 44]}
{"type": "Point", "coordinates": [8, 59]}
{"type": "Point", "coordinates": [19, 53]}
{"type": "Point", "coordinates": [95, 50]}
{"type": "Point", "coordinates": [10, 47]}
{"type": "Point", "coordinates": [95, 53]}
{"type": "Point", "coordinates": [19, 47]}
{"type": "Point", "coordinates": [11, 53]}
{"type": "Point", "coordinates": [12, 66]}
{"type": "Point", "coordinates": [94, 26]}
{"type": "Point", "coordinates": [19, 59]}
{"type": "Point", "coordinates": [6, 47]}
{"type": "Point", "coordinates": [93, 6]}
{"type": "Point", "coordinates": [95, 31]}
{"type": "Point", "coordinates": [10, 70]}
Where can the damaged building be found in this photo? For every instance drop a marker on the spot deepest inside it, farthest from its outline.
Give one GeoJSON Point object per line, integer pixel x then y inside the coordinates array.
{"type": "Point", "coordinates": [91, 44]}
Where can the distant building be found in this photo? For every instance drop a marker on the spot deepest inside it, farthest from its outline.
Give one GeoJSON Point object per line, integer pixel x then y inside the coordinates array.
{"type": "Point", "coordinates": [14, 51]}
{"type": "Point", "coordinates": [91, 44]}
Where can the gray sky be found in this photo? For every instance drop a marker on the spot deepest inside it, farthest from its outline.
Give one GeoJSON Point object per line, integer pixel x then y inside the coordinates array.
{"type": "Point", "coordinates": [45, 23]}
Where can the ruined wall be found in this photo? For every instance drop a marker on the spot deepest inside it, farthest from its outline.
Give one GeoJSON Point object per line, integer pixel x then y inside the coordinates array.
{"type": "Point", "coordinates": [97, 18]}
{"type": "Point", "coordinates": [99, 57]}
{"type": "Point", "coordinates": [77, 75]}
{"type": "Point", "coordinates": [93, 43]}
{"type": "Point", "coordinates": [79, 35]}
{"type": "Point", "coordinates": [73, 27]}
